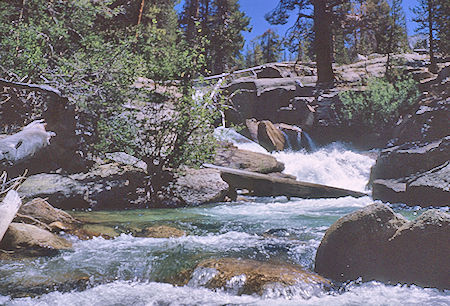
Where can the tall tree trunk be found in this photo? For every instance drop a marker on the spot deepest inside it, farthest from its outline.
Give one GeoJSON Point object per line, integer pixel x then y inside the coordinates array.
{"type": "Point", "coordinates": [433, 64]}
{"type": "Point", "coordinates": [193, 18]}
{"type": "Point", "coordinates": [322, 42]}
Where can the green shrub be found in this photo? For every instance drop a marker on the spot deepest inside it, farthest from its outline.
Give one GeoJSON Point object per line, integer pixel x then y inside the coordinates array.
{"type": "Point", "coordinates": [381, 104]}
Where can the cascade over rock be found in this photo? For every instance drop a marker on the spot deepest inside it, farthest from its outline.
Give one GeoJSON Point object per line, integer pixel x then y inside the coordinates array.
{"type": "Point", "coordinates": [249, 277]}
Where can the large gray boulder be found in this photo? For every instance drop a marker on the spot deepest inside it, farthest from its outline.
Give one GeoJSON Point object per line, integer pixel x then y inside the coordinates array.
{"type": "Point", "coordinates": [200, 186]}
{"type": "Point", "coordinates": [430, 188]}
{"type": "Point", "coordinates": [407, 159]}
{"type": "Point", "coordinates": [419, 251]}
{"type": "Point", "coordinates": [109, 186]}
{"type": "Point", "coordinates": [374, 243]}
{"type": "Point", "coordinates": [357, 244]}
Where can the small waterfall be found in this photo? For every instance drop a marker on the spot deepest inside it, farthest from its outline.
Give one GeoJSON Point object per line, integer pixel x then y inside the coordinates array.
{"type": "Point", "coordinates": [299, 139]}
{"type": "Point", "coordinates": [288, 144]}
{"type": "Point", "coordinates": [333, 165]}
{"type": "Point", "coordinates": [311, 145]}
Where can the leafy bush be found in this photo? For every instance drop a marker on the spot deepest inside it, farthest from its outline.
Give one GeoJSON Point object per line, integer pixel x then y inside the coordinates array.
{"type": "Point", "coordinates": [94, 52]}
{"type": "Point", "coordinates": [381, 104]}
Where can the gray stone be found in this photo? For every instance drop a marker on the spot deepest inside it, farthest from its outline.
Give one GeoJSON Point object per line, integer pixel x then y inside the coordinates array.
{"type": "Point", "coordinates": [420, 251]}
{"type": "Point", "coordinates": [200, 186]}
{"type": "Point", "coordinates": [431, 188]}
{"type": "Point", "coordinates": [109, 186]}
{"type": "Point", "coordinates": [356, 245]}
{"type": "Point", "coordinates": [376, 244]}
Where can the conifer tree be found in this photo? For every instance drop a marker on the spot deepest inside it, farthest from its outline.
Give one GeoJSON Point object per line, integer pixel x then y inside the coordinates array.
{"type": "Point", "coordinates": [220, 22]}
{"type": "Point", "coordinates": [271, 46]}
{"type": "Point", "coordinates": [321, 19]}
{"type": "Point", "coordinates": [426, 17]}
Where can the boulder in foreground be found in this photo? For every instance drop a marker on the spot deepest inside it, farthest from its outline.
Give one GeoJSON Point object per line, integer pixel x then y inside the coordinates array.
{"type": "Point", "coordinates": [374, 243]}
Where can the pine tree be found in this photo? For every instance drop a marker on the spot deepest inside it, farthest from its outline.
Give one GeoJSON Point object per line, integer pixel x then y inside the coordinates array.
{"type": "Point", "coordinates": [323, 14]}
{"type": "Point", "coordinates": [271, 46]}
{"type": "Point", "coordinates": [220, 23]}
{"type": "Point", "coordinates": [443, 27]}
{"type": "Point", "coordinates": [426, 17]}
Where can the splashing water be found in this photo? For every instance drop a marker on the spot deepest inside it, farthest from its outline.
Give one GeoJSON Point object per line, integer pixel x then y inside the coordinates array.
{"type": "Point", "coordinates": [135, 271]}
{"type": "Point", "coordinates": [333, 165]}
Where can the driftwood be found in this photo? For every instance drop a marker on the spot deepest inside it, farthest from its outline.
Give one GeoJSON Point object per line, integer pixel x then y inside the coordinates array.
{"type": "Point", "coordinates": [35, 87]}
{"type": "Point", "coordinates": [24, 144]}
{"type": "Point", "coordinates": [8, 210]}
{"type": "Point", "coordinates": [266, 185]}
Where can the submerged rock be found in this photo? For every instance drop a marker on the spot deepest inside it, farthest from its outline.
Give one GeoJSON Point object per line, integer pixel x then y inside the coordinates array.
{"type": "Point", "coordinates": [374, 243]}
{"type": "Point", "coordinates": [161, 231]}
{"type": "Point", "coordinates": [32, 240]}
{"type": "Point", "coordinates": [240, 276]}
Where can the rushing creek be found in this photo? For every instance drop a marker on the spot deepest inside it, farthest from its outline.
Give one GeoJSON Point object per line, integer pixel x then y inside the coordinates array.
{"type": "Point", "coordinates": [140, 271]}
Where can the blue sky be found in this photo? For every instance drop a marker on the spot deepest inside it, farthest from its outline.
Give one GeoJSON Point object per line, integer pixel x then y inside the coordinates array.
{"type": "Point", "coordinates": [256, 9]}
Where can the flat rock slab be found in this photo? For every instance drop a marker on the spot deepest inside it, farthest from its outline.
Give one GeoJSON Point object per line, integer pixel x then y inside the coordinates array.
{"type": "Point", "coordinates": [266, 185]}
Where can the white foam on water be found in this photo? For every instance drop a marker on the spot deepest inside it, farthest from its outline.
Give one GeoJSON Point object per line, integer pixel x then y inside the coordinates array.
{"type": "Point", "coordinates": [282, 208]}
{"type": "Point", "coordinates": [334, 165]}
{"type": "Point", "coordinates": [151, 293]}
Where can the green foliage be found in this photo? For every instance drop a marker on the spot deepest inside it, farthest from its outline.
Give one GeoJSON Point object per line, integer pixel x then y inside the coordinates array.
{"type": "Point", "coordinates": [216, 26]}
{"type": "Point", "coordinates": [381, 103]}
{"type": "Point", "coordinates": [94, 52]}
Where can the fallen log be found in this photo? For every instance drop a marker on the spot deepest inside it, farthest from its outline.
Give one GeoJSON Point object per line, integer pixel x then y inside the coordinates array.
{"type": "Point", "coordinates": [24, 144]}
{"type": "Point", "coordinates": [266, 185]}
{"type": "Point", "coordinates": [8, 210]}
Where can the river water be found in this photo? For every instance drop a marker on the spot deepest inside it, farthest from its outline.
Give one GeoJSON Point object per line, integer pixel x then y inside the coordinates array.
{"type": "Point", "coordinates": [140, 271]}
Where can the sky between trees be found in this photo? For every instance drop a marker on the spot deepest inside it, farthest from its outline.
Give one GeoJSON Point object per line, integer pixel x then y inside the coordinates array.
{"type": "Point", "coordinates": [256, 9]}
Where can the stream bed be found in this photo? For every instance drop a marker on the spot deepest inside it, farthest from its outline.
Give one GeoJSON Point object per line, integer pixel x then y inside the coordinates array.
{"type": "Point", "coordinates": [135, 271]}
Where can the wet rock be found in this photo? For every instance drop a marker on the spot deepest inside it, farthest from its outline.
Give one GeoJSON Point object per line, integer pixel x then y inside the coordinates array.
{"type": "Point", "coordinates": [36, 286]}
{"type": "Point", "coordinates": [357, 244]}
{"type": "Point", "coordinates": [232, 157]}
{"type": "Point", "coordinates": [419, 251]}
{"type": "Point", "coordinates": [161, 231]}
{"type": "Point", "coordinates": [376, 244]}
{"type": "Point", "coordinates": [199, 186]}
{"type": "Point", "coordinates": [270, 137]}
{"type": "Point", "coordinates": [32, 240]}
{"type": "Point", "coordinates": [89, 231]}
{"type": "Point", "coordinates": [41, 210]}
{"type": "Point", "coordinates": [249, 277]}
